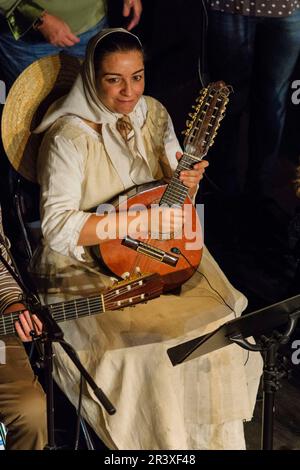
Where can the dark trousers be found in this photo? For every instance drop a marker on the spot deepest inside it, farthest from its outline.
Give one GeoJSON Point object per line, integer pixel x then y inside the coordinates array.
{"type": "Point", "coordinates": [257, 57]}
{"type": "Point", "coordinates": [22, 400]}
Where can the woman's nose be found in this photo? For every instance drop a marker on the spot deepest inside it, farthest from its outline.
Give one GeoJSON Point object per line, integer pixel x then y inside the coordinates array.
{"type": "Point", "coordinates": [127, 88]}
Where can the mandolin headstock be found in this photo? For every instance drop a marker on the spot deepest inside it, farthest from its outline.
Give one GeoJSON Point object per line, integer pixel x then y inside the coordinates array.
{"type": "Point", "coordinates": [209, 110]}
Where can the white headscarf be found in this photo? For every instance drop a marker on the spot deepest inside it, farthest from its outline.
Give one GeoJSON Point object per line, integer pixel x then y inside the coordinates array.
{"type": "Point", "coordinates": [83, 101]}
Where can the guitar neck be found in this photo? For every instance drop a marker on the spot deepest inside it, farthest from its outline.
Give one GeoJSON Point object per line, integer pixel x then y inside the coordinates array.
{"type": "Point", "coordinates": [61, 311]}
{"type": "Point", "coordinates": [176, 192]}
{"type": "Point", "coordinates": [126, 293]}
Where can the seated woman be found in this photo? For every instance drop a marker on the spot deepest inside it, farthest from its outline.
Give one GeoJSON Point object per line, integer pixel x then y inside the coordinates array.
{"type": "Point", "coordinates": [85, 159]}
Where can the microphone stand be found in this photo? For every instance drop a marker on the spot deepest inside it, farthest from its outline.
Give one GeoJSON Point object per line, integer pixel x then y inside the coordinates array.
{"type": "Point", "coordinates": [53, 333]}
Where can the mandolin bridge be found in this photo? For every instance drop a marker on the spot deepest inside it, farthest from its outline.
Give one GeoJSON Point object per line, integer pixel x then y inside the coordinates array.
{"type": "Point", "coordinates": [151, 251]}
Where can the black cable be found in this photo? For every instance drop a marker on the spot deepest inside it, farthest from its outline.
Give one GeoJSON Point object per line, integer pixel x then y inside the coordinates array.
{"type": "Point", "coordinates": [214, 185]}
{"type": "Point", "coordinates": [248, 355]}
{"type": "Point", "coordinates": [179, 252]}
{"type": "Point", "coordinates": [202, 59]}
{"type": "Point", "coordinates": [215, 290]}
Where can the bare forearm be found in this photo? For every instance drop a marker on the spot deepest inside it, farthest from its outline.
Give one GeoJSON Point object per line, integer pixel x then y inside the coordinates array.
{"type": "Point", "coordinates": [99, 228]}
{"type": "Point", "coordinates": [139, 223]}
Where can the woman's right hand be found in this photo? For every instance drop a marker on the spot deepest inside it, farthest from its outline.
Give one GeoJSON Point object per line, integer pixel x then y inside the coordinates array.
{"type": "Point", "coordinates": [56, 31]}
{"type": "Point", "coordinates": [157, 222]}
{"type": "Point", "coordinates": [160, 222]}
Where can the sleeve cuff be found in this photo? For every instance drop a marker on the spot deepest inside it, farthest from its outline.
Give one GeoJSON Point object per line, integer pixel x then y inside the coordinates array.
{"type": "Point", "coordinates": [10, 300]}
{"type": "Point", "coordinates": [21, 18]}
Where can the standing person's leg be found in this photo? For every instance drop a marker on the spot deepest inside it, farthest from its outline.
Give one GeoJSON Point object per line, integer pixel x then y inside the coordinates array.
{"type": "Point", "coordinates": [22, 401]}
{"type": "Point", "coordinates": [230, 58]}
{"type": "Point", "coordinates": [277, 51]}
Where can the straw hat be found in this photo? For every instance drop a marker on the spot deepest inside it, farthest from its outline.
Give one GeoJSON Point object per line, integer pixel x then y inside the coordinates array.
{"type": "Point", "coordinates": [32, 93]}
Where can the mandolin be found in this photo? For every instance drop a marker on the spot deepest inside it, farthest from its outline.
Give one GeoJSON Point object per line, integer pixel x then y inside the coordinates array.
{"type": "Point", "coordinates": [136, 289]}
{"type": "Point", "coordinates": [177, 257]}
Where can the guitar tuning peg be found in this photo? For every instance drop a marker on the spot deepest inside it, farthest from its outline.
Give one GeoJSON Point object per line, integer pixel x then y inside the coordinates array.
{"type": "Point", "coordinates": [125, 276]}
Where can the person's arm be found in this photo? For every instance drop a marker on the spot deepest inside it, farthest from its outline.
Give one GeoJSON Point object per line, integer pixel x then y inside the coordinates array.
{"type": "Point", "coordinates": [66, 228]}
{"type": "Point", "coordinates": [60, 175]}
{"type": "Point", "coordinates": [10, 292]}
{"type": "Point", "coordinates": [20, 15]}
{"type": "Point", "coordinates": [56, 31]}
{"type": "Point", "coordinates": [155, 222]}
{"type": "Point", "coordinates": [11, 297]}
{"type": "Point", "coordinates": [26, 323]}
{"type": "Point", "coordinates": [23, 15]}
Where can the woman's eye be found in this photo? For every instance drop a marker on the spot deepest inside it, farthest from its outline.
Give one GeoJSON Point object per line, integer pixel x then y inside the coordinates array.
{"type": "Point", "coordinates": [137, 78]}
{"type": "Point", "coordinates": [113, 80]}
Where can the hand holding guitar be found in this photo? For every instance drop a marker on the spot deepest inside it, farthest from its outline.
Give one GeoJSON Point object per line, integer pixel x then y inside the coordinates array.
{"type": "Point", "coordinates": [26, 323]}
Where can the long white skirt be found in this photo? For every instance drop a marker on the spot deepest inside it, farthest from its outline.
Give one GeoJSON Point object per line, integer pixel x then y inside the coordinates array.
{"type": "Point", "coordinates": [199, 404]}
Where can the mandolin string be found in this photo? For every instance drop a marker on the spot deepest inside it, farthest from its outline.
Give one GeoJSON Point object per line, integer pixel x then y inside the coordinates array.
{"type": "Point", "coordinates": [156, 243]}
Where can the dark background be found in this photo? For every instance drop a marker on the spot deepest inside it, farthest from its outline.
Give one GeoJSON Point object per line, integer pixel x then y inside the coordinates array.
{"type": "Point", "coordinates": [255, 245]}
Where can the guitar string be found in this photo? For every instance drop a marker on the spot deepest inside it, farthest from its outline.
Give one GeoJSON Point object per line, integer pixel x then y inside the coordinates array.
{"type": "Point", "coordinates": [61, 314]}
{"type": "Point", "coordinates": [80, 306]}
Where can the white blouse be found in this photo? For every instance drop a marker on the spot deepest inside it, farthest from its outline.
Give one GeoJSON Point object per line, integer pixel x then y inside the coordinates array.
{"type": "Point", "coordinates": [60, 175]}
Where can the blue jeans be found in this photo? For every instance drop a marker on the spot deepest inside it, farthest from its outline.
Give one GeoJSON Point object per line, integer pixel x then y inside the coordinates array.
{"type": "Point", "coordinates": [257, 57]}
{"type": "Point", "coordinates": [15, 56]}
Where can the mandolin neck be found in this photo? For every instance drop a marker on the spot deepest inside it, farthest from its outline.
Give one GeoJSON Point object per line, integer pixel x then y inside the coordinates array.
{"type": "Point", "coordinates": [176, 192]}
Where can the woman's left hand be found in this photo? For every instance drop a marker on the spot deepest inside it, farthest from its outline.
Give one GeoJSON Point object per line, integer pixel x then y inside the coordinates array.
{"type": "Point", "coordinates": [191, 178]}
